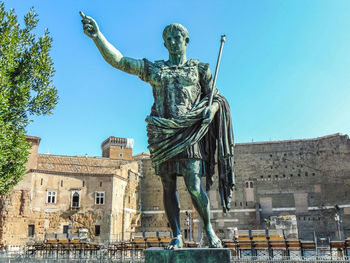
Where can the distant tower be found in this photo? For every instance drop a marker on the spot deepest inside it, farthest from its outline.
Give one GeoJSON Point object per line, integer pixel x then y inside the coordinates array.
{"type": "Point", "coordinates": [117, 148]}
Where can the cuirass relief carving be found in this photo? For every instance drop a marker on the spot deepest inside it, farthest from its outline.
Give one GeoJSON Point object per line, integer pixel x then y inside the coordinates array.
{"type": "Point", "coordinates": [177, 89]}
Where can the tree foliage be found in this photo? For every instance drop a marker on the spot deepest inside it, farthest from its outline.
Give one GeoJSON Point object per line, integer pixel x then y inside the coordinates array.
{"type": "Point", "coordinates": [26, 71]}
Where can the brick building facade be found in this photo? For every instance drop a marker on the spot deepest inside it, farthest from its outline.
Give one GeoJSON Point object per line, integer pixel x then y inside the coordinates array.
{"type": "Point", "coordinates": [62, 194]}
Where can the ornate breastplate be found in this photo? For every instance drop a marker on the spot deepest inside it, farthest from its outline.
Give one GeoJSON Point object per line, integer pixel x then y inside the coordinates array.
{"type": "Point", "coordinates": [176, 89]}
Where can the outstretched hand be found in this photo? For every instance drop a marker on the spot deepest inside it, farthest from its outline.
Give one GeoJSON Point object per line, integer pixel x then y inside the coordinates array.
{"type": "Point", "coordinates": [89, 25]}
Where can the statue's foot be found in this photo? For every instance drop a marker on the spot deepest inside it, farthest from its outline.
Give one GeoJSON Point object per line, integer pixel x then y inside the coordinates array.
{"type": "Point", "coordinates": [175, 243]}
{"type": "Point", "coordinates": [214, 241]}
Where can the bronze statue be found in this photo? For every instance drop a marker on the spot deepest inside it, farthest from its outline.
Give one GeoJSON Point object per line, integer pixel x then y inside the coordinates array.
{"type": "Point", "coordinates": [184, 132]}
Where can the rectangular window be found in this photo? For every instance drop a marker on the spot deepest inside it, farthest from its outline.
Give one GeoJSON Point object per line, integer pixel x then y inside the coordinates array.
{"type": "Point", "coordinates": [186, 233]}
{"type": "Point", "coordinates": [31, 230]}
{"type": "Point", "coordinates": [51, 197]}
{"type": "Point", "coordinates": [97, 230]}
{"type": "Point", "coordinates": [65, 229]}
{"type": "Point", "coordinates": [99, 198]}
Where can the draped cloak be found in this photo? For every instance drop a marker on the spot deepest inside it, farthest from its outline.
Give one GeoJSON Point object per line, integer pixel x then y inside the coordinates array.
{"type": "Point", "coordinates": [169, 137]}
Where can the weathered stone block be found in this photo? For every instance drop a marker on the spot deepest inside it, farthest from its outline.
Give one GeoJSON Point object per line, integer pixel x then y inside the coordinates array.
{"type": "Point", "coordinates": [188, 255]}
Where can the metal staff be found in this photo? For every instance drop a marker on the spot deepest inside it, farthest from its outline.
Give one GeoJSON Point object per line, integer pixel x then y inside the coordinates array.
{"type": "Point", "coordinates": [223, 39]}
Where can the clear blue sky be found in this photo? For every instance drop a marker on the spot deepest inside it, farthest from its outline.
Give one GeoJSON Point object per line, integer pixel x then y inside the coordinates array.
{"type": "Point", "coordinates": [285, 68]}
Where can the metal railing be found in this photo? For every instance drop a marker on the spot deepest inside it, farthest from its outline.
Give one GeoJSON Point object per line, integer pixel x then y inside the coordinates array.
{"type": "Point", "coordinates": [136, 256]}
{"type": "Point", "coordinates": [133, 251]}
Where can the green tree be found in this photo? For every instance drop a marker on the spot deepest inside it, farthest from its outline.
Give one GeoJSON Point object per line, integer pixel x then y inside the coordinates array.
{"type": "Point", "coordinates": [26, 71]}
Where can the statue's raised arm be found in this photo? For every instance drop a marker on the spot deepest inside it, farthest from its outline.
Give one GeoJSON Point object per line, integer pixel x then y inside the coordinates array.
{"type": "Point", "coordinates": [108, 51]}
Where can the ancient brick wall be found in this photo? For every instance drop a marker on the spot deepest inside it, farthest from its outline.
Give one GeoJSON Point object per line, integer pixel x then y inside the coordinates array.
{"type": "Point", "coordinates": [306, 178]}
{"type": "Point", "coordinates": [115, 152]}
{"type": "Point", "coordinates": [126, 203]}
{"type": "Point", "coordinates": [117, 148]}
{"type": "Point", "coordinates": [33, 156]}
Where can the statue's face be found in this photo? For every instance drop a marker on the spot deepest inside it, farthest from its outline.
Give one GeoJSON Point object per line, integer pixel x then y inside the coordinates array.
{"type": "Point", "coordinates": [175, 42]}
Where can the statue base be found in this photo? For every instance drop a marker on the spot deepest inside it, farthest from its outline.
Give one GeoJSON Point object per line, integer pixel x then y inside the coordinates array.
{"type": "Point", "coordinates": [188, 255]}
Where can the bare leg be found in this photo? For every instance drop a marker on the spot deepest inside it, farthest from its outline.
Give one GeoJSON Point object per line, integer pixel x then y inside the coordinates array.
{"type": "Point", "coordinates": [172, 209]}
{"type": "Point", "coordinates": [201, 203]}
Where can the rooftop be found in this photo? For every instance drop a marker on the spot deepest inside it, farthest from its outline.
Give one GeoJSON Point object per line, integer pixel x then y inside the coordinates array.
{"type": "Point", "coordinates": [294, 141]}
{"type": "Point", "coordinates": [78, 164]}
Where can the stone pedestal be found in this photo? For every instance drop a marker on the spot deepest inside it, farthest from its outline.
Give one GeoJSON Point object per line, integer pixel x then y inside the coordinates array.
{"type": "Point", "coordinates": [188, 255]}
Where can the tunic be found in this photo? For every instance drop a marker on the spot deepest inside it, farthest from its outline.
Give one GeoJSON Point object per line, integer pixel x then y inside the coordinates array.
{"type": "Point", "coordinates": [176, 90]}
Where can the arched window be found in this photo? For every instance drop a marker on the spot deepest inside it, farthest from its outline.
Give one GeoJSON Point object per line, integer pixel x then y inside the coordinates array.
{"type": "Point", "coordinates": [75, 200]}
{"type": "Point", "coordinates": [249, 184]}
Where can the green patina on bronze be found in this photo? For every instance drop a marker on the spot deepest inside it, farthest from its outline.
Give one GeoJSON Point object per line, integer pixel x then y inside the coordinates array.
{"type": "Point", "coordinates": [188, 255]}
{"type": "Point", "coordinates": [184, 132]}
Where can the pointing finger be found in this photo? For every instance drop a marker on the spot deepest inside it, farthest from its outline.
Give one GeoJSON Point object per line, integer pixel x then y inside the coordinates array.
{"type": "Point", "coordinates": [83, 16]}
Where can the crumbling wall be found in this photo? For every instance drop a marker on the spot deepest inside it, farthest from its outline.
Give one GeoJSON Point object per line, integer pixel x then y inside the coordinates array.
{"type": "Point", "coordinates": [16, 216]}
{"type": "Point", "coordinates": [305, 178]}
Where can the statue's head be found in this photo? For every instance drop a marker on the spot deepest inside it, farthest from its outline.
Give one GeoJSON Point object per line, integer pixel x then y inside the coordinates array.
{"type": "Point", "coordinates": [175, 38]}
